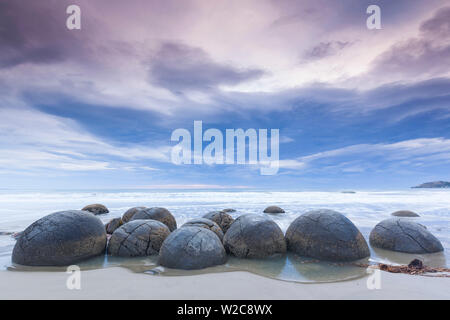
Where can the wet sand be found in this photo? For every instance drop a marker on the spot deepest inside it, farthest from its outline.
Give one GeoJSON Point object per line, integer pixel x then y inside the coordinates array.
{"type": "Point", "coordinates": [120, 283]}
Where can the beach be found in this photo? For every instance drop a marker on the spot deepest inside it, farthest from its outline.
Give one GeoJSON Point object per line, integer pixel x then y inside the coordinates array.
{"type": "Point", "coordinates": [286, 277]}
{"type": "Point", "coordinates": [119, 283]}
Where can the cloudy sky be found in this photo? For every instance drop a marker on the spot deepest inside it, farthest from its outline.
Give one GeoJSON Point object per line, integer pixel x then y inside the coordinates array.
{"type": "Point", "coordinates": [95, 108]}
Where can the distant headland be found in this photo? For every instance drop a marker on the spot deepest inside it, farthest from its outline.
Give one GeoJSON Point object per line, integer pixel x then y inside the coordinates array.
{"type": "Point", "coordinates": [435, 184]}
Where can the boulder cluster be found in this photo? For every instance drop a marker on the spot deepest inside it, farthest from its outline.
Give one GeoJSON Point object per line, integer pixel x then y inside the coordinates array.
{"type": "Point", "coordinates": [68, 237]}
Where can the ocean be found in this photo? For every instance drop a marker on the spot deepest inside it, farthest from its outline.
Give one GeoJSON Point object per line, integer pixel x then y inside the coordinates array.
{"type": "Point", "coordinates": [364, 208]}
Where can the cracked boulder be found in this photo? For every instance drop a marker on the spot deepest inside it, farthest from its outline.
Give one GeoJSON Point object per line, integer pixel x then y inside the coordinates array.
{"type": "Point", "coordinates": [273, 210]}
{"type": "Point", "coordinates": [192, 248]}
{"type": "Point", "coordinates": [205, 223]}
{"type": "Point", "coordinates": [160, 214]}
{"type": "Point", "coordinates": [128, 215]}
{"type": "Point", "coordinates": [60, 239]}
{"type": "Point", "coordinates": [96, 209]}
{"type": "Point", "coordinates": [223, 219]}
{"type": "Point", "coordinates": [326, 235]}
{"type": "Point", "coordinates": [404, 235]}
{"type": "Point", "coordinates": [138, 238]}
{"type": "Point", "coordinates": [254, 236]}
{"type": "Point", "coordinates": [405, 213]}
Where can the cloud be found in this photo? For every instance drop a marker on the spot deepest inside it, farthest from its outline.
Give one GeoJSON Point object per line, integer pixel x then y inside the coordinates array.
{"type": "Point", "coordinates": [325, 49]}
{"type": "Point", "coordinates": [179, 67]}
{"type": "Point", "coordinates": [423, 152]}
{"type": "Point", "coordinates": [424, 55]}
{"type": "Point", "coordinates": [35, 33]}
{"type": "Point", "coordinates": [57, 143]}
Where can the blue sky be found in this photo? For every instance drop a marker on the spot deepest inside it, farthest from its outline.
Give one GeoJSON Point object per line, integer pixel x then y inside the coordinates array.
{"type": "Point", "coordinates": [95, 108]}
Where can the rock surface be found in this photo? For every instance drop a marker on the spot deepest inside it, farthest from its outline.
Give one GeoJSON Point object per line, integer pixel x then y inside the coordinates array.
{"type": "Point", "coordinates": [191, 248]}
{"type": "Point", "coordinates": [326, 235]}
{"type": "Point", "coordinates": [205, 223]}
{"type": "Point", "coordinates": [113, 225]}
{"type": "Point", "coordinates": [229, 210]}
{"type": "Point", "coordinates": [404, 235]}
{"type": "Point", "coordinates": [160, 214]}
{"type": "Point", "coordinates": [130, 213]}
{"type": "Point", "coordinates": [273, 210]}
{"type": "Point", "coordinates": [59, 239]}
{"type": "Point", "coordinates": [138, 238]}
{"type": "Point", "coordinates": [404, 213]}
{"type": "Point", "coordinates": [223, 219]}
{"type": "Point", "coordinates": [96, 209]}
{"type": "Point", "coordinates": [254, 236]}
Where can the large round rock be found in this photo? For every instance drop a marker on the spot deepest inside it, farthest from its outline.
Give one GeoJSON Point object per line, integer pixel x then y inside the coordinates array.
{"type": "Point", "coordinates": [273, 210]}
{"type": "Point", "coordinates": [326, 235]}
{"type": "Point", "coordinates": [59, 239]}
{"type": "Point", "coordinates": [159, 214]}
{"type": "Point", "coordinates": [254, 236]}
{"type": "Point", "coordinates": [404, 235]}
{"type": "Point", "coordinates": [138, 238]}
{"type": "Point", "coordinates": [205, 223]}
{"type": "Point", "coordinates": [191, 248]}
{"type": "Point", "coordinates": [405, 213]}
{"type": "Point", "coordinates": [130, 213]}
{"type": "Point", "coordinates": [96, 209]}
{"type": "Point", "coordinates": [223, 219]}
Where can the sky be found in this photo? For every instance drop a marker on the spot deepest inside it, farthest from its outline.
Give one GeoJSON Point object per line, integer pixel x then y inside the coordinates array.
{"type": "Point", "coordinates": [95, 108]}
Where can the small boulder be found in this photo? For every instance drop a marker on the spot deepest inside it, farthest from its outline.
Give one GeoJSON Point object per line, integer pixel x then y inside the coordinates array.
{"type": "Point", "coordinates": [60, 239]}
{"type": "Point", "coordinates": [112, 225]}
{"type": "Point", "coordinates": [404, 235]}
{"type": "Point", "coordinates": [96, 209]}
{"type": "Point", "coordinates": [205, 223]}
{"type": "Point", "coordinates": [416, 264]}
{"type": "Point", "coordinates": [223, 219]}
{"type": "Point", "coordinates": [404, 213]}
{"type": "Point", "coordinates": [138, 238]}
{"type": "Point", "coordinates": [191, 248]}
{"type": "Point", "coordinates": [130, 213]}
{"type": "Point", "coordinates": [254, 236]}
{"type": "Point", "coordinates": [229, 210]}
{"type": "Point", "coordinates": [273, 210]}
{"type": "Point", "coordinates": [326, 235]}
{"type": "Point", "coordinates": [159, 214]}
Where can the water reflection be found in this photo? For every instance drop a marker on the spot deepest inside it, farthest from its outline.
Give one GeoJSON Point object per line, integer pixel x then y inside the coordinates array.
{"type": "Point", "coordinates": [435, 260]}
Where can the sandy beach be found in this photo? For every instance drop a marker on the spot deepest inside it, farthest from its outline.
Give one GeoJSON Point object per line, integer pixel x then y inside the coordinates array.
{"type": "Point", "coordinates": [119, 283]}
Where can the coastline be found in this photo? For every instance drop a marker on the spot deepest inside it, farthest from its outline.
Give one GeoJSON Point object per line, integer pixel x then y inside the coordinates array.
{"type": "Point", "coordinates": [120, 283]}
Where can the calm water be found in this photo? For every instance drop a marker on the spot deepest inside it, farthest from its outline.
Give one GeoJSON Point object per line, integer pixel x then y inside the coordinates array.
{"type": "Point", "coordinates": [365, 209]}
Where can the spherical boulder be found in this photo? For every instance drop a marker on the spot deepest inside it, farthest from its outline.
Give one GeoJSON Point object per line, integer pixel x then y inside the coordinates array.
{"type": "Point", "coordinates": [112, 225]}
{"type": "Point", "coordinates": [404, 235]}
{"type": "Point", "coordinates": [160, 214]}
{"type": "Point", "coordinates": [138, 238]}
{"type": "Point", "coordinates": [130, 213]}
{"type": "Point", "coordinates": [205, 223]}
{"type": "Point", "coordinates": [254, 236]}
{"type": "Point", "coordinates": [60, 239]}
{"type": "Point", "coordinates": [223, 219]}
{"type": "Point", "coordinates": [96, 209]}
{"type": "Point", "coordinates": [405, 213]}
{"type": "Point", "coordinates": [273, 210]}
{"type": "Point", "coordinates": [192, 248]}
{"type": "Point", "coordinates": [326, 235]}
